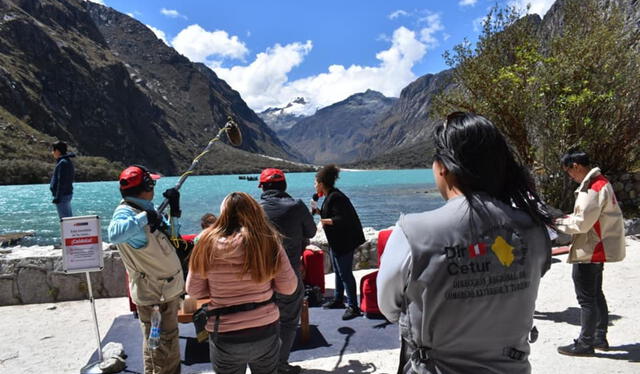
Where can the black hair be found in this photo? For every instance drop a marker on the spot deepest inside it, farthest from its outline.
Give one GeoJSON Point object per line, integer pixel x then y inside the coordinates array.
{"type": "Point", "coordinates": [478, 155]}
{"type": "Point", "coordinates": [280, 186]}
{"type": "Point", "coordinates": [327, 175]}
{"type": "Point", "coordinates": [207, 220]}
{"type": "Point", "coordinates": [133, 191]}
{"type": "Point", "coordinates": [575, 155]}
{"type": "Point", "coordinates": [60, 147]}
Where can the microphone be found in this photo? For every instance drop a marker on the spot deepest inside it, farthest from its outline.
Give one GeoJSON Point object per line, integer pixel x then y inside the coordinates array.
{"type": "Point", "coordinates": [314, 203]}
{"type": "Point", "coordinates": [233, 132]}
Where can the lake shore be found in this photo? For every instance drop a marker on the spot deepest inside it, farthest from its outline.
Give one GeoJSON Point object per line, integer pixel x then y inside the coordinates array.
{"type": "Point", "coordinates": [60, 338]}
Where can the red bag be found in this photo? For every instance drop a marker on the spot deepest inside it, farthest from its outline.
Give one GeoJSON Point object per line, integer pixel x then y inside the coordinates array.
{"type": "Point", "coordinates": [313, 262]}
{"type": "Point", "coordinates": [369, 296]}
{"type": "Point", "coordinates": [383, 236]}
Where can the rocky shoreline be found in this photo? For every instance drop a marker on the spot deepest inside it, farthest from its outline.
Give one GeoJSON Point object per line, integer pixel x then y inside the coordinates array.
{"type": "Point", "coordinates": [30, 275]}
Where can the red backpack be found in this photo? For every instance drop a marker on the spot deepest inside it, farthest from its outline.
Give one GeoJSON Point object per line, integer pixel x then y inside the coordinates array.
{"type": "Point", "coordinates": [368, 287]}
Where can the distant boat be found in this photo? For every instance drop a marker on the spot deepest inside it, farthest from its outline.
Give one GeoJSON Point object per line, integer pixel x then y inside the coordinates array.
{"type": "Point", "coordinates": [248, 177]}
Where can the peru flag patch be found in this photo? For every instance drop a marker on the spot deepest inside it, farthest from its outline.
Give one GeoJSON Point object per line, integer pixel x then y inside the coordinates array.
{"type": "Point", "coordinates": [478, 249]}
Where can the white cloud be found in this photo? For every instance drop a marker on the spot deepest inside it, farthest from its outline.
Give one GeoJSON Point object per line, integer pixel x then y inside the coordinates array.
{"type": "Point", "coordinates": [398, 13]}
{"type": "Point", "coordinates": [159, 34]}
{"type": "Point", "coordinates": [467, 2]}
{"type": "Point", "coordinates": [205, 46]}
{"type": "Point", "coordinates": [172, 13]}
{"type": "Point", "coordinates": [433, 23]}
{"type": "Point", "coordinates": [264, 82]}
{"type": "Point", "coordinates": [261, 83]}
{"type": "Point", "coordinates": [537, 6]}
{"type": "Point", "coordinates": [135, 14]}
{"type": "Point", "coordinates": [101, 2]}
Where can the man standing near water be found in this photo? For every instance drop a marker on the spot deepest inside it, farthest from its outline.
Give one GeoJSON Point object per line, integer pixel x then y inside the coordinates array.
{"type": "Point", "coordinates": [61, 184]}
{"type": "Point", "coordinates": [154, 269]}
{"type": "Point", "coordinates": [294, 221]}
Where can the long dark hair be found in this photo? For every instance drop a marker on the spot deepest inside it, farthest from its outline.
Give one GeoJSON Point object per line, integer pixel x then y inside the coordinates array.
{"type": "Point", "coordinates": [477, 154]}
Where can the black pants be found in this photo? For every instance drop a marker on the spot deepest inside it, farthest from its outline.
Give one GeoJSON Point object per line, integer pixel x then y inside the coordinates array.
{"type": "Point", "coordinates": [594, 314]}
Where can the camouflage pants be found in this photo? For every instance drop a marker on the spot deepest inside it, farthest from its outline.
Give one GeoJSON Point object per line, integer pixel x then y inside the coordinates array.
{"type": "Point", "coordinates": [166, 358]}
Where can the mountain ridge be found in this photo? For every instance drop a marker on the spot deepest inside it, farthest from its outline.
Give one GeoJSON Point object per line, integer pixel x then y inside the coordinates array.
{"type": "Point", "coordinates": [68, 72]}
{"type": "Point", "coordinates": [334, 133]}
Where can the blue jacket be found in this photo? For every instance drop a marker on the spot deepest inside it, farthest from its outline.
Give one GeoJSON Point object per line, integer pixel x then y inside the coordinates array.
{"type": "Point", "coordinates": [128, 226]}
{"type": "Point", "coordinates": [62, 178]}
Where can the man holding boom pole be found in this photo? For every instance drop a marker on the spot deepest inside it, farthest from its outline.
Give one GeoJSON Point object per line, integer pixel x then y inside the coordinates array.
{"type": "Point", "coordinates": [155, 273]}
{"type": "Point", "coordinates": [144, 240]}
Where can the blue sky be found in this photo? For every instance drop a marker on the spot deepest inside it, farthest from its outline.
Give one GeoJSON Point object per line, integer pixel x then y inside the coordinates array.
{"type": "Point", "coordinates": [324, 51]}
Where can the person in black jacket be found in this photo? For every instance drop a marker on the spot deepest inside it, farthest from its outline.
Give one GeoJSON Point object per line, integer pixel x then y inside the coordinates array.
{"type": "Point", "coordinates": [344, 233]}
{"type": "Point", "coordinates": [294, 222]}
{"type": "Point", "coordinates": [61, 185]}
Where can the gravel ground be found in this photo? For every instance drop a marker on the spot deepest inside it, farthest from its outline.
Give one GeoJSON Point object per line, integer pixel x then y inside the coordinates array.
{"type": "Point", "coordinates": [60, 338]}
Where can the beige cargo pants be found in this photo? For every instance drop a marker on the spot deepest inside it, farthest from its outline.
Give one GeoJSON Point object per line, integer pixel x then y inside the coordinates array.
{"type": "Point", "coordinates": [166, 358]}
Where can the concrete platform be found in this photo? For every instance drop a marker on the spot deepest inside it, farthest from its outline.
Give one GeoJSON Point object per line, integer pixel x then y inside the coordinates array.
{"type": "Point", "coordinates": [330, 337]}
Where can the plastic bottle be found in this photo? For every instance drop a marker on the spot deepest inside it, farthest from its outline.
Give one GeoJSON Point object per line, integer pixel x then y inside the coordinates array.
{"type": "Point", "coordinates": [154, 334]}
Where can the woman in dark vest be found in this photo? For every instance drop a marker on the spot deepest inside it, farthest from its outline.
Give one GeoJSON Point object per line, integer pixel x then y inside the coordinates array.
{"type": "Point", "coordinates": [462, 279]}
{"type": "Point", "coordinates": [344, 234]}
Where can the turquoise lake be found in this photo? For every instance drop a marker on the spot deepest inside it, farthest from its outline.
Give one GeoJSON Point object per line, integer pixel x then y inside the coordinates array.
{"type": "Point", "coordinates": [379, 196]}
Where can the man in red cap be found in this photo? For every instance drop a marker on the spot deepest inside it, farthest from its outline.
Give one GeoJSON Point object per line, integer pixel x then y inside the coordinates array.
{"type": "Point", "coordinates": [154, 269]}
{"type": "Point", "coordinates": [293, 220]}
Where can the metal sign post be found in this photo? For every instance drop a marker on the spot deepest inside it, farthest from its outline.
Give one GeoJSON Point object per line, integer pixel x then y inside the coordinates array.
{"type": "Point", "coordinates": [82, 253]}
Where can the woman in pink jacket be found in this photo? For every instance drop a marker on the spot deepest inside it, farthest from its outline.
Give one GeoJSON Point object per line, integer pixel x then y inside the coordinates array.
{"type": "Point", "coordinates": [239, 263]}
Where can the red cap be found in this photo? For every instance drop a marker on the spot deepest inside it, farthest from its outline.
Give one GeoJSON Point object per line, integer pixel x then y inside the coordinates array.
{"type": "Point", "coordinates": [271, 175]}
{"type": "Point", "coordinates": [133, 176]}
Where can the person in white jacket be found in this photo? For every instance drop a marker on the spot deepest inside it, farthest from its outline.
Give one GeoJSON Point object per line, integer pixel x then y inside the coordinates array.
{"type": "Point", "coordinates": [597, 227]}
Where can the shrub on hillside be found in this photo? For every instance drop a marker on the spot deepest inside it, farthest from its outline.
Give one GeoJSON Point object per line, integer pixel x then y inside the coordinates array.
{"type": "Point", "coordinates": [578, 90]}
{"type": "Point", "coordinates": [96, 169]}
{"type": "Point", "coordinates": [17, 171]}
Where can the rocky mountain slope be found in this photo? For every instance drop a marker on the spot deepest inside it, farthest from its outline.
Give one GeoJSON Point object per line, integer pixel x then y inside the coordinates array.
{"type": "Point", "coordinates": [85, 74]}
{"type": "Point", "coordinates": [280, 119]}
{"type": "Point", "coordinates": [407, 124]}
{"type": "Point", "coordinates": [334, 133]}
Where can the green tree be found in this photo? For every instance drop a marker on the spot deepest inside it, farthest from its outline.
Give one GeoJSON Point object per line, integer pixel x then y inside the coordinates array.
{"type": "Point", "coordinates": [577, 88]}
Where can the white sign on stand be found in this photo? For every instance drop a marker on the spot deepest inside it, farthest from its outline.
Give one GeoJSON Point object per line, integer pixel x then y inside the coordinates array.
{"type": "Point", "coordinates": [81, 244]}
{"type": "Point", "coordinates": [82, 253]}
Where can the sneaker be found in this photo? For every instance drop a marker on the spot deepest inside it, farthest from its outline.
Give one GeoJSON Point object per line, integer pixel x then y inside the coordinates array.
{"type": "Point", "coordinates": [351, 313]}
{"type": "Point", "coordinates": [601, 344]}
{"type": "Point", "coordinates": [576, 349]}
{"type": "Point", "coordinates": [288, 369]}
{"type": "Point", "coordinates": [333, 304]}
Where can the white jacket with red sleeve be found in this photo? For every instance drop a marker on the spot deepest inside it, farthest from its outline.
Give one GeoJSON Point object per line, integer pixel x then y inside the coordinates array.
{"type": "Point", "coordinates": [596, 223]}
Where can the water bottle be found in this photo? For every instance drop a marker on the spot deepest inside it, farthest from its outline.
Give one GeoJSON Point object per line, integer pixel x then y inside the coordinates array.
{"type": "Point", "coordinates": [154, 334]}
